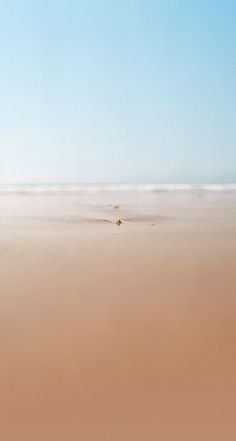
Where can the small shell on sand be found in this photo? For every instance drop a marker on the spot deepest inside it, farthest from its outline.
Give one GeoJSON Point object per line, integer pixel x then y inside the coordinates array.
{"type": "Point", "coordinates": [115, 207]}
{"type": "Point", "coordinates": [118, 222]}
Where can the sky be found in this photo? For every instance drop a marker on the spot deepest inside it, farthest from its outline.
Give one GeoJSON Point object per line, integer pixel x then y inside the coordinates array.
{"type": "Point", "coordinates": [116, 91]}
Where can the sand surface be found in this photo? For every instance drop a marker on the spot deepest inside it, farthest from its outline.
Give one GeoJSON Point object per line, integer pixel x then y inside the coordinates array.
{"type": "Point", "coordinates": [118, 333]}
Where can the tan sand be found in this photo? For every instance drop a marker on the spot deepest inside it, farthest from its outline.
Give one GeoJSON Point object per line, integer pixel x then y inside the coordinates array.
{"type": "Point", "coordinates": [118, 333]}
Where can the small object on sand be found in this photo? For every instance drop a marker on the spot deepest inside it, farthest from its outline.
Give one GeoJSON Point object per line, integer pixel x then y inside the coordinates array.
{"type": "Point", "coordinates": [118, 222]}
{"type": "Point", "coordinates": [115, 207]}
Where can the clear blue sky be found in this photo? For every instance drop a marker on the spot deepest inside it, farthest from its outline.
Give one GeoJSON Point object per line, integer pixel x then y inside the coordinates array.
{"type": "Point", "coordinates": [127, 90]}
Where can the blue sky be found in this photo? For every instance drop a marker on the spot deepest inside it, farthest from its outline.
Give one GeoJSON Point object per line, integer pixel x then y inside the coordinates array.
{"type": "Point", "coordinates": [124, 90]}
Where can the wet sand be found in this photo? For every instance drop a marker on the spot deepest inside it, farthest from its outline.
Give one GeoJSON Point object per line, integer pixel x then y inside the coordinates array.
{"type": "Point", "coordinates": [118, 333]}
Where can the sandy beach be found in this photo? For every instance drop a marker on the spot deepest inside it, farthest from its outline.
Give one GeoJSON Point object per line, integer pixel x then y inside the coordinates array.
{"type": "Point", "coordinates": [118, 333]}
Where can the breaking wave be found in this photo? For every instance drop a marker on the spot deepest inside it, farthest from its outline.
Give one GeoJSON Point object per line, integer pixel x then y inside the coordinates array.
{"type": "Point", "coordinates": [101, 188]}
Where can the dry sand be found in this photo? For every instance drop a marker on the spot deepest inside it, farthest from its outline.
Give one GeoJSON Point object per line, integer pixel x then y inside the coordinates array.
{"type": "Point", "coordinates": [118, 333]}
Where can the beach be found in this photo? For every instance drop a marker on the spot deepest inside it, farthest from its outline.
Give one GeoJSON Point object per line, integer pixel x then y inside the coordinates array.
{"type": "Point", "coordinates": [117, 332]}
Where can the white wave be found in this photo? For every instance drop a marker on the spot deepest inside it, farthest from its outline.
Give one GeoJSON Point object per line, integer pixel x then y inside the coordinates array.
{"type": "Point", "coordinates": [101, 188]}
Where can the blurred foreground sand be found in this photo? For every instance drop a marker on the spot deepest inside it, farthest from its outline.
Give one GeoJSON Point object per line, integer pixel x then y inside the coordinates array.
{"type": "Point", "coordinates": [118, 333]}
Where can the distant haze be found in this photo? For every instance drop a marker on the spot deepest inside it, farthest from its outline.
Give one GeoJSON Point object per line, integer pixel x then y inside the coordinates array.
{"type": "Point", "coordinates": [118, 91]}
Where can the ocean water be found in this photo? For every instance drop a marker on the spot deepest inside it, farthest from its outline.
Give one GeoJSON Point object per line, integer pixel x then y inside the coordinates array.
{"type": "Point", "coordinates": [58, 188]}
